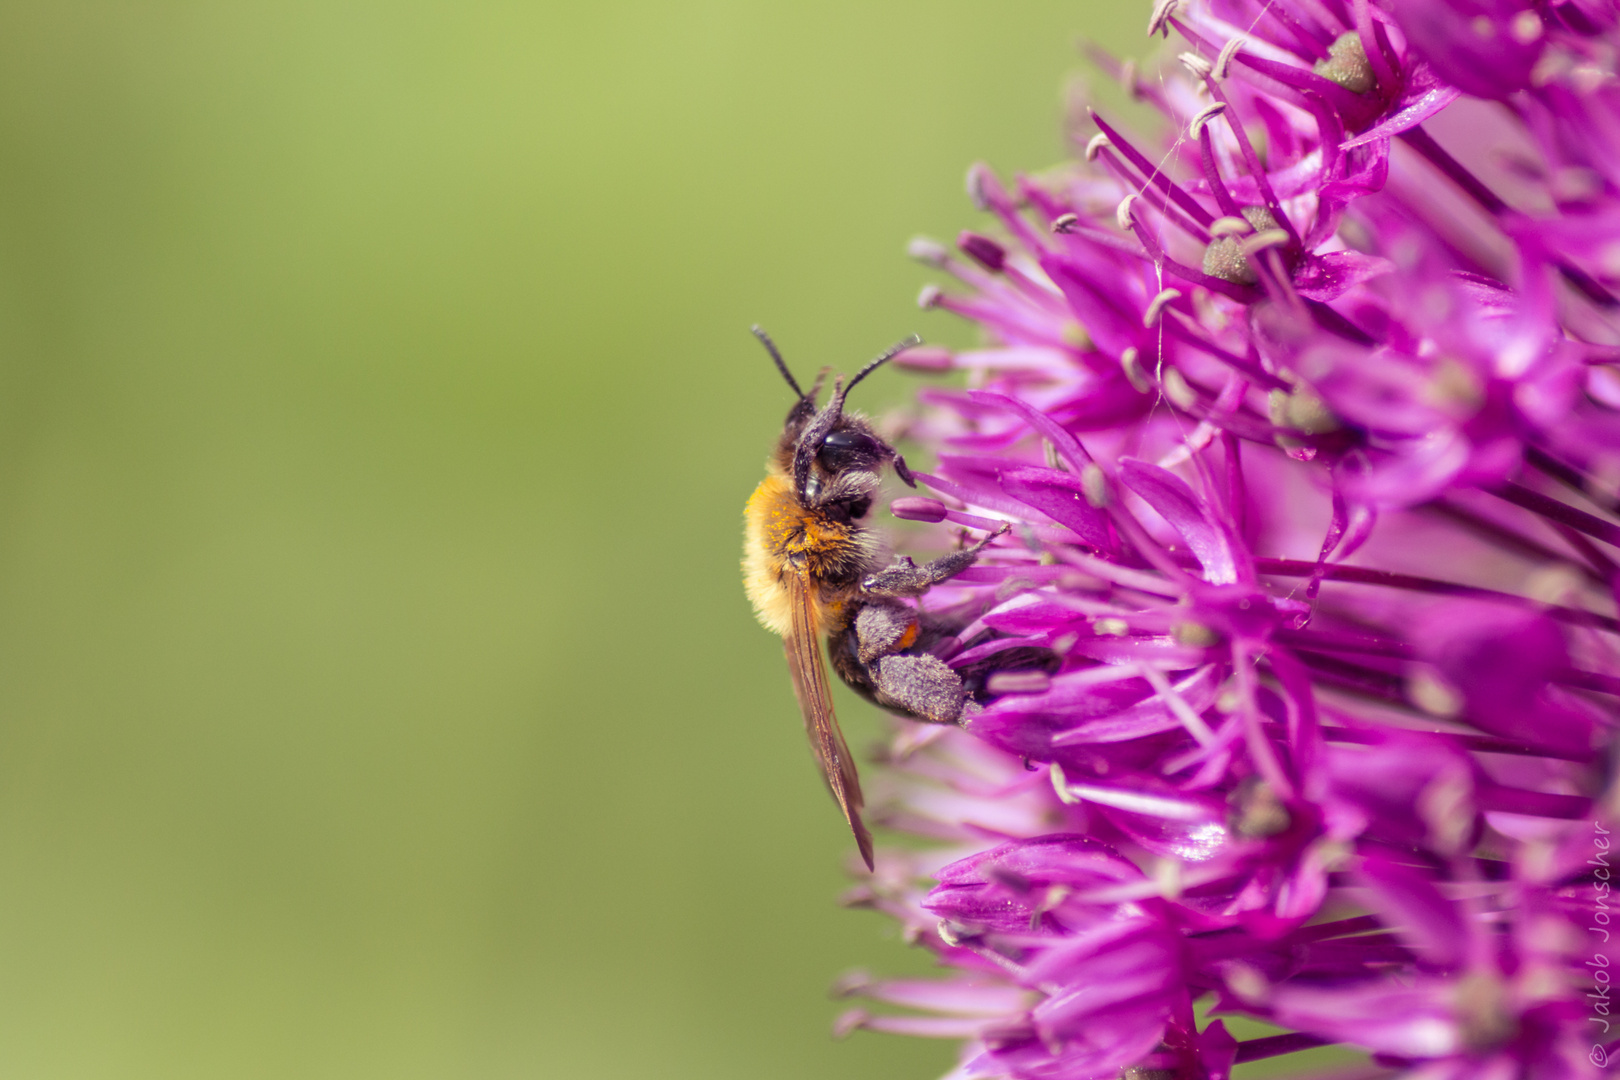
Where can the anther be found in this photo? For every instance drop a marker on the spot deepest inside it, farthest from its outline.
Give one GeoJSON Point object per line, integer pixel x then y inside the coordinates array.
{"type": "Point", "coordinates": [1159, 20]}
{"type": "Point", "coordinates": [1195, 635]}
{"type": "Point", "coordinates": [1253, 245]}
{"type": "Point", "coordinates": [1131, 361]}
{"type": "Point", "coordinates": [1204, 116]}
{"type": "Point", "coordinates": [1127, 77]}
{"type": "Point", "coordinates": [850, 984]}
{"type": "Point", "coordinates": [1301, 409]}
{"type": "Point", "coordinates": [926, 358]}
{"type": "Point", "coordinates": [1256, 812]}
{"type": "Point", "coordinates": [1122, 213]}
{"type": "Point", "coordinates": [976, 187]}
{"type": "Point", "coordinates": [930, 252]}
{"type": "Point", "coordinates": [1247, 983]}
{"type": "Point", "coordinates": [918, 509]}
{"type": "Point", "coordinates": [983, 250]}
{"type": "Point", "coordinates": [1095, 486]}
{"type": "Point", "coordinates": [1156, 306]}
{"type": "Point", "coordinates": [1098, 142]}
{"type": "Point", "coordinates": [1019, 682]}
{"type": "Point", "coordinates": [1065, 223]}
{"type": "Point", "coordinates": [1230, 226]}
{"type": "Point", "coordinates": [1196, 64]}
{"type": "Point", "coordinates": [1223, 62]}
{"type": "Point", "coordinates": [1178, 389]}
{"type": "Point", "coordinates": [1426, 689]}
{"type": "Point", "coordinates": [929, 297]}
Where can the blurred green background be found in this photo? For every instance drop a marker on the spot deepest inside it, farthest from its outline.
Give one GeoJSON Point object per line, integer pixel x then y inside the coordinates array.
{"type": "Point", "coordinates": [377, 407]}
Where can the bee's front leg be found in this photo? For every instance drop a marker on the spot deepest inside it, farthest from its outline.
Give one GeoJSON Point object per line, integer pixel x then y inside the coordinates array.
{"type": "Point", "coordinates": [905, 578]}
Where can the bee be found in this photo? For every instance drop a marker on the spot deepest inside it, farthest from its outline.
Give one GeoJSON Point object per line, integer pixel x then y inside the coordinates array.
{"type": "Point", "coordinates": [814, 568]}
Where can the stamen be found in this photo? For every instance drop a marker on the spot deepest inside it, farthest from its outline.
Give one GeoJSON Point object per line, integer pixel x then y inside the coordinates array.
{"type": "Point", "coordinates": [917, 508]}
{"type": "Point", "coordinates": [1154, 196]}
{"type": "Point", "coordinates": [975, 187]}
{"type": "Point", "coordinates": [1127, 79]}
{"type": "Point", "coordinates": [1259, 242]}
{"type": "Point", "coordinates": [1019, 682]}
{"type": "Point", "coordinates": [1154, 175]}
{"type": "Point", "coordinates": [1362, 575]}
{"type": "Point", "coordinates": [1371, 44]}
{"type": "Point", "coordinates": [928, 252]}
{"type": "Point", "coordinates": [1275, 1045]}
{"type": "Point", "coordinates": [1552, 509]}
{"type": "Point", "coordinates": [1195, 127]}
{"type": "Point", "coordinates": [1130, 361]}
{"type": "Point", "coordinates": [1511, 800]}
{"type": "Point", "coordinates": [983, 250]}
{"type": "Point", "coordinates": [1122, 212]}
{"type": "Point", "coordinates": [1162, 11]}
{"type": "Point", "coordinates": [1420, 140]}
{"type": "Point", "coordinates": [1151, 315]}
{"type": "Point", "coordinates": [1223, 62]}
{"type": "Point", "coordinates": [1251, 160]}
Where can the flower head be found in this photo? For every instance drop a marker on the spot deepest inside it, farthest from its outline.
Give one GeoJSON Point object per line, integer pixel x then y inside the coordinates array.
{"type": "Point", "coordinates": [1307, 420]}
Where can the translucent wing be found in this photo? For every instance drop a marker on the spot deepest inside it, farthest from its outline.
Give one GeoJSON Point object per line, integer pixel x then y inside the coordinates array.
{"type": "Point", "coordinates": [815, 701]}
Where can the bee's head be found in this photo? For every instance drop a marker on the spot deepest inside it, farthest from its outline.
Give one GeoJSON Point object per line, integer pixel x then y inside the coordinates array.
{"type": "Point", "coordinates": [835, 460]}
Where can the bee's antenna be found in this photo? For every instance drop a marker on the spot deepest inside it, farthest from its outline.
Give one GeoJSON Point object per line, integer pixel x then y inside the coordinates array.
{"type": "Point", "coordinates": [781, 365]}
{"type": "Point", "coordinates": [810, 439]}
{"type": "Point", "coordinates": [888, 354]}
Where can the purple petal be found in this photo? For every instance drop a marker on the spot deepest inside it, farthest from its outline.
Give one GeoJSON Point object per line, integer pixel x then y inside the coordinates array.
{"type": "Point", "coordinates": [1175, 502]}
{"type": "Point", "coordinates": [1327, 277]}
{"type": "Point", "coordinates": [1061, 496]}
{"type": "Point", "coordinates": [1409, 902]}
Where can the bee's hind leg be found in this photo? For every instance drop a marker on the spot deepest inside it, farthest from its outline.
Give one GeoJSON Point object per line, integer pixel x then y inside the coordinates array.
{"type": "Point", "coordinates": [905, 578]}
{"type": "Point", "coordinates": [919, 683]}
{"type": "Point", "coordinates": [923, 685]}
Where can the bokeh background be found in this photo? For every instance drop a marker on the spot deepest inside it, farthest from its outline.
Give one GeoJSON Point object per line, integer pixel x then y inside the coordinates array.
{"type": "Point", "coordinates": [377, 695]}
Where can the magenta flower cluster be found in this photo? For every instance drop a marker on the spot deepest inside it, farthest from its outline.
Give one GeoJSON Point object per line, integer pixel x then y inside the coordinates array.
{"type": "Point", "coordinates": [1306, 414]}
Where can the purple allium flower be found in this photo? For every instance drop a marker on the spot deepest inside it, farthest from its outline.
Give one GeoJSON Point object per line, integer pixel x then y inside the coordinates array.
{"type": "Point", "coordinates": [1306, 414]}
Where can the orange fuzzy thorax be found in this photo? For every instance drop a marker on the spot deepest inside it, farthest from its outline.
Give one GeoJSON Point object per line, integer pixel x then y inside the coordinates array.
{"type": "Point", "coordinates": [785, 537]}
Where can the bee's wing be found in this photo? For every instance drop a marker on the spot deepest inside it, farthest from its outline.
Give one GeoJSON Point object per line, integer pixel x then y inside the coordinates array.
{"type": "Point", "coordinates": [815, 701]}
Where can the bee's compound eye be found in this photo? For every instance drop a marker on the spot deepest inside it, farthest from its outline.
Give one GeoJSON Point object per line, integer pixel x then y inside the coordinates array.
{"type": "Point", "coordinates": [843, 449]}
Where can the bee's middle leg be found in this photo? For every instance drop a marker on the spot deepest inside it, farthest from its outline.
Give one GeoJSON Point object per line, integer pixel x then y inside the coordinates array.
{"type": "Point", "coordinates": [920, 684]}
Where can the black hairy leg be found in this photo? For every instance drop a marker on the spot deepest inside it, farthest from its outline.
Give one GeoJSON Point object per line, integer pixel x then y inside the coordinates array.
{"type": "Point", "coordinates": [905, 578]}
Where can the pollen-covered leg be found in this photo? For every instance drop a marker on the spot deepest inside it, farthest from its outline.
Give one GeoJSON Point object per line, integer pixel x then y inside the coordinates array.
{"type": "Point", "coordinates": [905, 578]}
{"type": "Point", "coordinates": [922, 685]}
{"type": "Point", "coordinates": [884, 627]}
